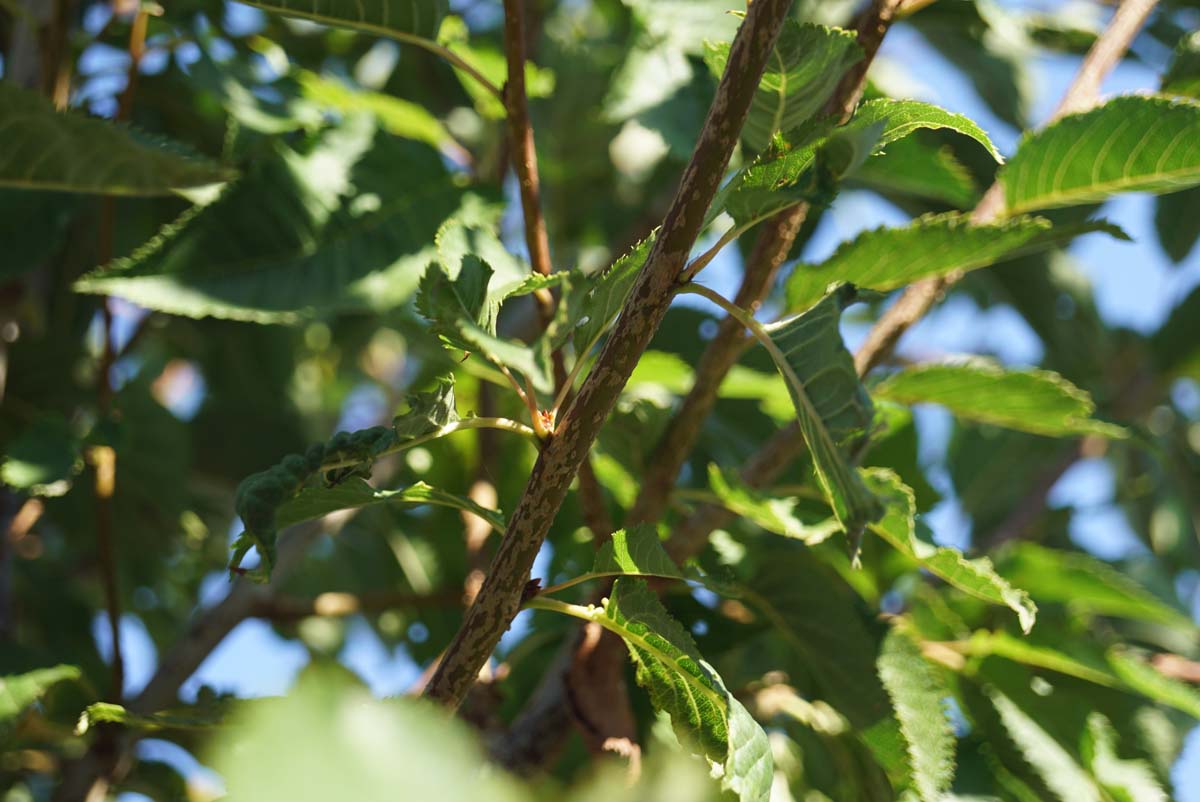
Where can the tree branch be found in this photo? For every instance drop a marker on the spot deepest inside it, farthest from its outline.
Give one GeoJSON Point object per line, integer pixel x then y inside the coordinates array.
{"type": "Point", "coordinates": [210, 627]}
{"type": "Point", "coordinates": [523, 151]}
{"type": "Point", "coordinates": [500, 597]}
{"type": "Point", "coordinates": [1082, 94]}
{"type": "Point", "coordinates": [278, 607]}
{"type": "Point", "coordinates": [570, 686]}
{"type": "Point", "coordinates": [788, 443]}
{"type": "Point", "coordinates": [774, 242]}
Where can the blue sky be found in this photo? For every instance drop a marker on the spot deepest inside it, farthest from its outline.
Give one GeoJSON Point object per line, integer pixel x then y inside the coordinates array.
{"type": "Point", "coordinates": [1134, 285]}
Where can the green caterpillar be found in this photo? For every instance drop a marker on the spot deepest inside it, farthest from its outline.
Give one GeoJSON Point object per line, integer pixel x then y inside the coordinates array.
{"type": "Point", "coordinates": [260, 495]}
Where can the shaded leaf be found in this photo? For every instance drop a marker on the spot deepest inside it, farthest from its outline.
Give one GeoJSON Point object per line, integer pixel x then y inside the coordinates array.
{"type": "Point", "coordinates": [933, 245]}
{"type": "Point", "coordinates": [297, 234]}
{"type": "Point", "coordinates": [354, 493]}
{"type": "Point", "coordinates": [397, 18]}
{"type": "Point", "coordinates": [1176, 222]}
{"type": "Point", "coordinates": [41, 148]}
{"type": "Point", "coordinates": [832, 407]}
{"type": "Point", "coordinates": [1133, 143]}
{"type": "Point", "coordinates": [42, 456]}
{"type": "Point", "coordinates": [773, 514]}
{"type": "Point", "coordinates": [1085, 584]}
{"type": "Point", "coordinates": [919, 696]}
{"type": "Point", "coordinates": [1036, 401]}
{"type": "Point", "coordinates": [1183, 73]}
{"type": "Point", "coordinates": [820, 622]}
{"type": "Point", "coordinates": [913, 167]}
{"type": "Point", "coordinates": [804, 68]}
{"type": "Point", "coordinates": [977, 577]}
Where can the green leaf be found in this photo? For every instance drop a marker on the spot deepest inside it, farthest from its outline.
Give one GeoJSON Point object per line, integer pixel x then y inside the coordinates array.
{"type": "Point", "coordinates": [328, 739]}
{"type": "Point", "coordinates": [913, 167]}
{"type": "Point", "coordinates": [264, 500]}
{"type": "Point", "coordinates": [773, 514]}
{"type": "Point", "coordinates": [902, 117]}
{"type": "Point", "coordinates": [807, 173]}
{"type": "Point", "coordinates": [975, 577]}
{"type": "Point", "coordinates": [832, 407]}
{"type": "Point", "coordinates": [1086, 584]}
{"type": "Point", "coordinates": [638, 551]}
{"type": "Point", "coordinates": [1083, 666]}
{"type": "Point", "coordinates": [1143, 678]}
{"type": "Point", "coordinates": [347, 225]}
{"type": "Point", "coordinates": [396, 18]}
{"type": "Point", "coordinates": [1057, 767]}
{"type": "Point", "coordinates": [19, 691]}
{"type": "Point", "coordinates": [41, 148]}
{"type": "Point", "coordinates": [933, 245]}
{"type": "Point", "coordinates": [605, 297]}
{"type": "Point", "coordinates": [354, 493]}
{"type": "Point", "coordinates": [680, 683]}
{"type": "Point", "coordinates": [1131, 780]}
{"type": "Point", "coordinates": [42, 457]}
{"type": "Point", "coordinates": [1130, 144]}
{"type": "Point", "coordinates": [1176, 345]}
{"type": "Point", "coordinates": [108, 713]}
{"type": "Point", "coordinates": [427, 411]}
{"type": "Point", "coordinates": [448, 300]}
{"type": "Point", "coordinates": [1177, 224]}
{"type": "Point", "coordinates": [398, 117]}
{"type": "Point", "coordinates": [1183, 73]}
{"type": "Point", "coordinates": [491, 63]}
{"type": "Point", "coordinates": [783, 179]}
{"type": "Point", "coordinates": [819, 622]}
{"type": "Point", "coordinates": [1035, 401]}
{"type": "Point", "coordinates": [919, 697]}
{"type": "Point", "coordinates": [805, 67]}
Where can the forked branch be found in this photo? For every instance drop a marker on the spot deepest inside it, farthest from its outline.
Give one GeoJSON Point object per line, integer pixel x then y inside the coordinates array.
{"type": "Point", "coordinates": [500, 596]}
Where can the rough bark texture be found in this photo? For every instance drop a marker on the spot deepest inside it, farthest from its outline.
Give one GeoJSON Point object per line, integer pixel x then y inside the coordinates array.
{"type": "Point", "coordinates": [500, 596]}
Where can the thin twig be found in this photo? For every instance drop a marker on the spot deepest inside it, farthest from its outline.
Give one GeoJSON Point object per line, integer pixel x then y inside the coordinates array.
{"type": "Point", "coordinates": [524, 152]}
{"type": "Point", "coordinates": [280, 607]}
{"type": "Point", "coordinates": [500, 597]}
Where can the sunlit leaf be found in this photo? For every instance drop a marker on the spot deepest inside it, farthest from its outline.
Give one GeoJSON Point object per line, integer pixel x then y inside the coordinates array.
{"type": "Point", "coordinates": [682, 684]}
{"type": "Point", "coordinates": [933, 245]}
{"type": "Point", "coordinates": [975, 577]}
{"type": "Point", "coordinates": [919, 696]}
{"type": "Point", "coordinates": [18, 692]}
{"type": "Point", "coordinates": [1133, 143]}
{"type": "Point", "coordinates": [1036, 401]}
